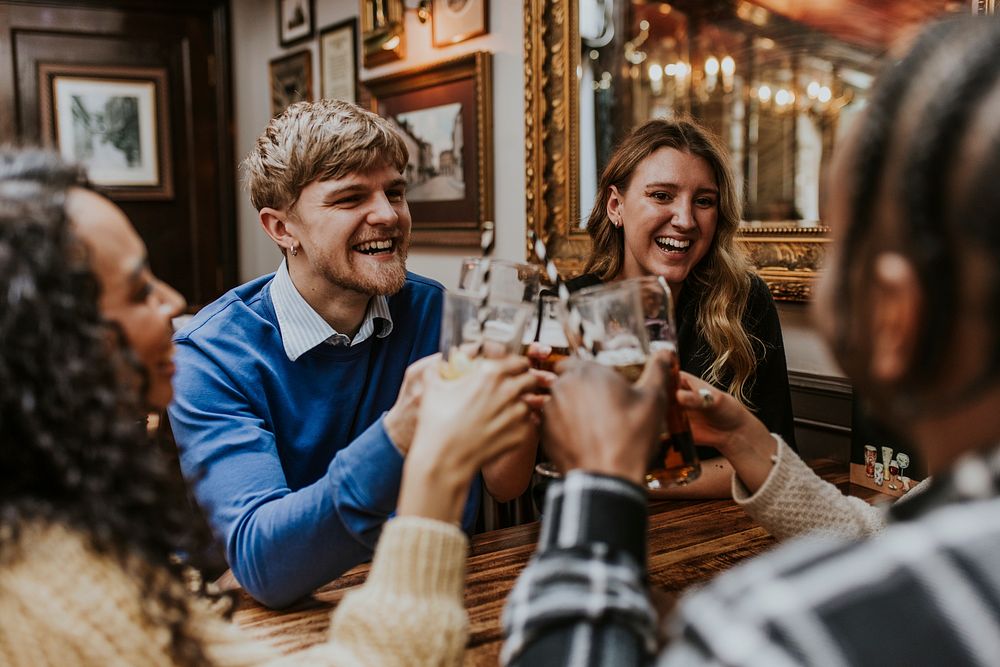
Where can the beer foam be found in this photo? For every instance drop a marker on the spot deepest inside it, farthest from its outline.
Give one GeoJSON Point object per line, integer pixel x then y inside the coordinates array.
{"type": "Point", "coordinates": [621, 357]}
{"type": "Point", "coordinates": [657, 345]}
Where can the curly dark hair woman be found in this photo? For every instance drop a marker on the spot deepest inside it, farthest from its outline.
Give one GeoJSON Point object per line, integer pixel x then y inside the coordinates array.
{"type": "Point", "coordinates": [94, 520]}
{"type": "Point", "coordinates": [73, 448]}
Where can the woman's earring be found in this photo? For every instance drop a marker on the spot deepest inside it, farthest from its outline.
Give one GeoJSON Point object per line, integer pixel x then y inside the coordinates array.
{"type": "Point", "coordinates": [295, 250]}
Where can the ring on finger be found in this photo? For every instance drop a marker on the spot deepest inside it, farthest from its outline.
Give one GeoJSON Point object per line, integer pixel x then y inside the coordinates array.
{"type": "Point", "coordinates": [706, 397]}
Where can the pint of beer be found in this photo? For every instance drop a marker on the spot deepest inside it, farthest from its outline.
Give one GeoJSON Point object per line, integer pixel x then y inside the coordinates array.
{"type": "Point", "coordinates": [620, 324]}
{"type": "Point", "coordinates": [676, 459]}
{"type": "Point", "coordinates": [547, 327]}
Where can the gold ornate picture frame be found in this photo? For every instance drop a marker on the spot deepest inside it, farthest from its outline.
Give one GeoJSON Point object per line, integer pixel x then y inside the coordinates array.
{"type": "Point", "coordinates": [551, 103]}
{"type": "Point", "coordinates": [787, 256]}
{"type": "Point", "coordinates": [444, 112]}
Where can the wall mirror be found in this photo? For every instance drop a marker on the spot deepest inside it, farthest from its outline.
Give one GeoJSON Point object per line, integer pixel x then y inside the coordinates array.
{"type": "Point", "coordinates": [778, 80]}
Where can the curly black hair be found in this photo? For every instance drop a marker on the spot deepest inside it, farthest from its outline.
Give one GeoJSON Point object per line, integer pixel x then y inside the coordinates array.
{"type": "Point", "coordinates": [73, 443]}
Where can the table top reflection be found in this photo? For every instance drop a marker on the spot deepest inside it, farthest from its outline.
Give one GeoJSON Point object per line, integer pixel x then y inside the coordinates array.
{"type": "Point", "coordinates": [689, 543]}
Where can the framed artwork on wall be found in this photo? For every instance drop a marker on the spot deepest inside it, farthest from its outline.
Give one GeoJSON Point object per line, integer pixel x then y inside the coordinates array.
{"type": "Point", "coordinates": [295, 21]}
{"type": "Point", "coordinates": [444, 112]}
{"type": "Point", "coordinates": [291, 80]}
{"type": "Point", "coordinates": [383, 38]}
{"type": "Point", "coordinates": [454, 21]}
{"type": "Point", "coordinates": [113, 120]}
{"type": "Point", "coordinates": [338, 61]}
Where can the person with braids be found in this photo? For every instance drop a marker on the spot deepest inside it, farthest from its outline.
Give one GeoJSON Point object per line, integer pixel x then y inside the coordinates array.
{"type": "Point", "coordinates": [94, 520]}
{"type": "Point", "coordinates": [910, 303]}
{"type": "Point", "coordinates": [667, 205]}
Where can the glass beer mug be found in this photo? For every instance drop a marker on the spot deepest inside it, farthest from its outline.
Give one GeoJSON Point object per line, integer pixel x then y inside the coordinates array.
{"type": "Point", "coordinates": [676, 459]}
{"type": "Point", "coordinates": [618, 325]}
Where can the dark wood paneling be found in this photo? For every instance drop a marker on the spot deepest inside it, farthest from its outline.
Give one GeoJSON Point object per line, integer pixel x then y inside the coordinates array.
{"type": "Point", "coordinates": [191, 237]}
{"type": "Point", "coordinates": [822, 408]}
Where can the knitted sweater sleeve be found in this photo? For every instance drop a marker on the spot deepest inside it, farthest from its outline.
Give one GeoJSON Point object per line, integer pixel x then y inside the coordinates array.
{"type": "Point", "coordinates": [64, 604]}
{"type": "Point", "coordinates": [794, 501]}
{"type": "Point", "coordinates": [408, 612]}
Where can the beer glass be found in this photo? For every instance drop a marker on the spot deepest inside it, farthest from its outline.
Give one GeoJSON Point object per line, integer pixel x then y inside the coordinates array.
{"type": "Point", "coordinates": [500, 279]}
{"type": "Point", "coordinates": [606, 325]}
{"type": "Point", "coordinates": [474, 327]}
{"type": "Point", "coordinates": [676, 459]}
{"type": "Point", "coordinates": [547, 327]}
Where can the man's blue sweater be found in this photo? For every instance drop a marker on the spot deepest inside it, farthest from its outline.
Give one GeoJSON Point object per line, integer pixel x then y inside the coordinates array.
{"type": "Point", "coordinates": [290, 460]}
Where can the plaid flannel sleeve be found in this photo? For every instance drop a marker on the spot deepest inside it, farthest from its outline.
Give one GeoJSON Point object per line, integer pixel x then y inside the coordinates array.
{"type": "Point", "coordinates": [584, 593]}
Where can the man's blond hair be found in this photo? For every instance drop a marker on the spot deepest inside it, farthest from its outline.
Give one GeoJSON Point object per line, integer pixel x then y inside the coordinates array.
{"type": "Point", "coordinates": [322, 140]}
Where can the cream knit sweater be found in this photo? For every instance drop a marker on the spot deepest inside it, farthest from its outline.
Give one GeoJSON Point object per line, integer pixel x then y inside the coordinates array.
{"type": "Point", "coordinates": [794, 501]}
{"type": "Point", "coordinates": [63, 604]}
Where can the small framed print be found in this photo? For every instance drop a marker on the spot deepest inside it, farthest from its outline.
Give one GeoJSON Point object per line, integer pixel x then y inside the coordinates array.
{"type": "Point", "coordinates": [291, 80]}
{"type": "Point", "coordinates": [454, 21]}
{"type": "Point", "coordinates": [295, 21]}
{"type": "Point", "coordinates": [338, 60]}
{"type": "Point", "coordinates": [113, 120]}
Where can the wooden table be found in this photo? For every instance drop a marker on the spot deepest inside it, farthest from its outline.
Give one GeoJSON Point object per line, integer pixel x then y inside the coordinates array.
{"type": "Point", "coordinates": [689, 542]}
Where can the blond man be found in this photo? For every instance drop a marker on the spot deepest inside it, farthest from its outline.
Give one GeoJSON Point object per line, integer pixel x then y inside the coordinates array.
{"type": "Point", "coordinates": [293, 407]}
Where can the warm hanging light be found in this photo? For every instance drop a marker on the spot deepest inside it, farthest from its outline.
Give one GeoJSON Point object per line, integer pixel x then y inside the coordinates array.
{"type": "Point", "coordinates": [656, 78]}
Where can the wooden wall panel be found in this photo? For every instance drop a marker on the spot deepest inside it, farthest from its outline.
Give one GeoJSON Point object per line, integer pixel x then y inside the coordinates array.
{"type": "Point", "coordinates": [192, 236]}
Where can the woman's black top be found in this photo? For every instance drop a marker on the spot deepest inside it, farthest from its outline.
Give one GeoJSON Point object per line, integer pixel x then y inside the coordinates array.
{"type": "Point", "coordinates": [768, 392]}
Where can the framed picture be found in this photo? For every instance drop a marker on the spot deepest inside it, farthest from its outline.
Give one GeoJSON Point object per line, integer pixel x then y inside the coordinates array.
{"type": "Point", "coordinates": [787, 256]}
{"type": "Point", "coordinates": [338, 61]}
{"type": "Point", "coordinates": [295, 21]}
{"type": "Point", "coordinates": [445, 115]}
{"type": "Point", "coordinates": [291, 80]}
{"type": "Point", "coordinates": [383, 38]}
{"type": "Point", "coordinates": [455, 21]}
{"type": "Point", "coordinates": [114, 121]}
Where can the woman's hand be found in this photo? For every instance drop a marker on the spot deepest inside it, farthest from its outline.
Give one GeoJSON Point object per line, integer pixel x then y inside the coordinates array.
{"type": "Point", "coordinates": [597, 421]}
{"type": "Point", "coordinates": [462, 424]}
{"type": "Point", "coordinates": [719, 420]}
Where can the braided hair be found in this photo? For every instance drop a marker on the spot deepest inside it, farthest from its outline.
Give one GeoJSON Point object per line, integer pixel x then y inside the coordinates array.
{"type": "Point", "coordinates": [73, 447]}
{"type": "Point", "coordinates": [921, 116]}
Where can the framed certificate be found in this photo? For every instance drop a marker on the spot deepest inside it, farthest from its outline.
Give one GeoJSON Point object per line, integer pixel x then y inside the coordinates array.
{"type": "Point", "coordinates": [338, 58]}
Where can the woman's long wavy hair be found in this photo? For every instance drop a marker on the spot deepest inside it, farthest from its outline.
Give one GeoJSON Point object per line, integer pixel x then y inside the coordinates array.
{"type": "Point", "coordinates": [73, 444]}
{"type": "Point", "coordinates": [723, 275]}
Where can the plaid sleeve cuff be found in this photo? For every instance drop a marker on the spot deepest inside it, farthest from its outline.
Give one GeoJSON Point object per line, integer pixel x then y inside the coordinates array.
{"type": "Point", "coordinates": [586, 508]}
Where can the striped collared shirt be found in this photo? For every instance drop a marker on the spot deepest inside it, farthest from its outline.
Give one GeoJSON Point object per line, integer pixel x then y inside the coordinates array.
{"type": "Point", "coordinates": [302, 328]}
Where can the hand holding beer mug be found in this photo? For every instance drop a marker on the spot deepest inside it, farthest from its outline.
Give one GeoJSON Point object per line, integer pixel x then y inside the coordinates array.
{"type": "Point", "coordinates": [677, 460]}
{"type": "Point", "coordinates": [620, 324]}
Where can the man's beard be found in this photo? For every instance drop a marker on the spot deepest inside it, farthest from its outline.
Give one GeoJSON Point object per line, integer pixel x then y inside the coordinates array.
{"type": "Point", "coordinates": [383, 279]}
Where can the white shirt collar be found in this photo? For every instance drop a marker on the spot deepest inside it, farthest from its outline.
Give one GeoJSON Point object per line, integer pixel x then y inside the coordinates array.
{"type": "Point", "coordinates": [302, 328]}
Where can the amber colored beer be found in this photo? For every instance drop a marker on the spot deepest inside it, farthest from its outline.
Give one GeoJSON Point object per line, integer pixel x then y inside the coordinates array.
{"type": "Point", "coordinates": [548, 362]}
{"type": "Point", "coordinates": [676, 459]}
